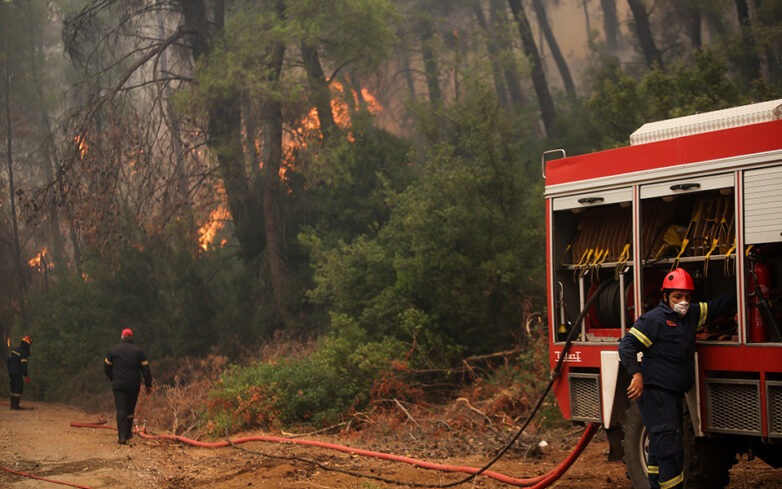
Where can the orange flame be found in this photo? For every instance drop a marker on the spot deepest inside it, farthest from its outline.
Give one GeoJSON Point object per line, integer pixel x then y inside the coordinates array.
{"type": "Point", "coordinates": [339, 108]}
{"type": "Point", "coordinates": [208, 231]}
{"type": "Point", "coordinates": [81, 142]}
{"type": "Point", "coordinates": [39, 262]}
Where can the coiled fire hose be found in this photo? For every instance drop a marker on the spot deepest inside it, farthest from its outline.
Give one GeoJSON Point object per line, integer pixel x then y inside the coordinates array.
{"type": "Point", "coordinates": [537, 482]}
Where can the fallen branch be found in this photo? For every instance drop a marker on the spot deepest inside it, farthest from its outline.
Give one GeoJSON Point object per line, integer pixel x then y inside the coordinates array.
{"type": "Point", "coordinates": [407, 413]}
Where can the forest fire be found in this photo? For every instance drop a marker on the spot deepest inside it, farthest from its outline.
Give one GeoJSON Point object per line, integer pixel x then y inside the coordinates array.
{"type": "Point", "coordinates": [81, 143]}
{"type": "Point", "coordinates": [39, 262]}
{"type": "Point", "coordinates": [207, 233]}
{"type": "Point", "coordinates": [341, 110]}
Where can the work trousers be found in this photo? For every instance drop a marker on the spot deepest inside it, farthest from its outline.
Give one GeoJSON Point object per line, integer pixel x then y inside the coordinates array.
{"type": "Point", "coordinates": [125, 406]}
{"type": "Point", "coordinates": [662, 411]}
{"type": "Point", "coordinates": [17, 388]}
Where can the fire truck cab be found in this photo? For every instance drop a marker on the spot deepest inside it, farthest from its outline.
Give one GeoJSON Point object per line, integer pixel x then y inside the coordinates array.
{"type": "Point", "coordinates": [702, 192]}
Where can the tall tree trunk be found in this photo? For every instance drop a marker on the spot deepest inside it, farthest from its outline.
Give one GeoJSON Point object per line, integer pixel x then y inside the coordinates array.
{"type": "Point", "coordinates": [173, 193]}
{"type": "Point", "coordinates": [694, 23]}
{"type": "Point", "coordinates": [587, 19]}
{"type": "Point", "coordinates": [643, 30]}
{"type": "Point", "coordinates": [545, 26]}
{"type": "Point", "coordinates": [431, 68]}
{"type": "Point", "coordinates": [271, 158]}
{"type": "Point", "coordinates": [750, 63]}
{"type": "Point", "coordinates": [50, 159]}
{"type": "Point", "coordinates": [545, 102]}
{"type": "Point", "coordinates": [493, 48]}
{"type": "Point", "coordinates": [610, 25]}
{"type": "Point", "coordinates": [16, 248]}
{"type": "Point", "coordinates": [249, 198]}
{"type": "Point", "coordinates": [498, 20]}
{"type": "Point", "coordinates": [321, 96]}
{"type": "Point", "coordinates": [224, 124]}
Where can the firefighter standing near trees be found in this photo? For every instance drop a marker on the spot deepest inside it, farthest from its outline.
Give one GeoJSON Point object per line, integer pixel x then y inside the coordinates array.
{"type": "Point", "coordinates": [17, 370]}
{"type": "Point", "coordinates": [125, 364]}
{"type": "Point", "coordinates": [666, 336]}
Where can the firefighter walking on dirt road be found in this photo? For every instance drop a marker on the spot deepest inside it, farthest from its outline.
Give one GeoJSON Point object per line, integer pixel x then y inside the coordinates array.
{"type": "Point", "coordinates": [666, 336]}
{"type": "Point", "coordinates": [125, 364]}
{"type": "Point", "coordinates": [17, 371]}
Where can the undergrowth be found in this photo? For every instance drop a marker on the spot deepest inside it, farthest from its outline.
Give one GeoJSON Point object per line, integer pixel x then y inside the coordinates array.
{"type": "Point", "coordinates": [356, 385]}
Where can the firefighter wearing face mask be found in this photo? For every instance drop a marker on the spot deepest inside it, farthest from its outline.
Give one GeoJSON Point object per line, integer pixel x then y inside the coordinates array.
{"type": "Point", "coordinates": [666, 336]}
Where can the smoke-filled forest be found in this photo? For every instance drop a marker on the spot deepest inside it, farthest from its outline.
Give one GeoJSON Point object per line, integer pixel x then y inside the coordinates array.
{"type": "Point", "coordinates": [317, 204]}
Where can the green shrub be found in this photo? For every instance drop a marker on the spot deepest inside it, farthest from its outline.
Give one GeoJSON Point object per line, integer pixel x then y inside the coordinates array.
{"type": "Point", "coordinates": [318, 389]}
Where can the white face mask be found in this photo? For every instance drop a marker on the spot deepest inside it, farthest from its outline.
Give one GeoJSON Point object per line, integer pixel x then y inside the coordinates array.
{"type": "Point", "coordinates": [681, 308]}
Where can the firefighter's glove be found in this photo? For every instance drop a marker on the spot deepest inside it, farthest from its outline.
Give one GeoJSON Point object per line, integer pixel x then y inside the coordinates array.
{"type": "Point", "coordinates": [27, 380]}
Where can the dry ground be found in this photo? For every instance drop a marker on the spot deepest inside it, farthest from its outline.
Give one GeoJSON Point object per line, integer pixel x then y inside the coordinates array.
{"type": "Point", "coordinates": [41, 442]}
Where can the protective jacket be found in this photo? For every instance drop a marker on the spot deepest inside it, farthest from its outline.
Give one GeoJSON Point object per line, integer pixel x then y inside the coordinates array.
{"type": "Point", "coordinates": [124, 366]}
{"type": "Point", "coordinates": [667, 341]}
{"type": "Point", "coordinates": [17, 360]}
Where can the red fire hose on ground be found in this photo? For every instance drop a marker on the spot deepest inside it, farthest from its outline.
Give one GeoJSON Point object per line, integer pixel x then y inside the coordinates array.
{"type": "Point", "coordinates": [44, 479]}
{"type": "Point", "coordinates": [538, 482]}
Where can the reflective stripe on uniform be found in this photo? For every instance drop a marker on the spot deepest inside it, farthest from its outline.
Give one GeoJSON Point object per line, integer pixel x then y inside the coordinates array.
{"type": "Point", "coordinates": [704, 312]}
{"type": "Point", "coordinates": [672, 482]}
{"type": "Point", "coordinates": [145, 362]}
{"type": "Point", "coordinates": [653, 469]}
{"type": "Point", "coordinates": [641, 337]}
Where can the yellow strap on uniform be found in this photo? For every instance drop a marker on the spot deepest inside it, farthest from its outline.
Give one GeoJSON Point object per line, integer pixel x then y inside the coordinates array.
{"type": "Point", "coordinates": [641, 337]}
{"type": "Point", "coordinates": [703, 314]}
{"type": "Point", "coordinates": [672, 482]}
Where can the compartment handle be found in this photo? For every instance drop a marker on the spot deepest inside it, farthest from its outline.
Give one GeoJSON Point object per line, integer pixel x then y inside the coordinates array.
{"type": "Point", "coordinates": [685, 186]}
{"type": "Point", "coordinates": [590, 200]}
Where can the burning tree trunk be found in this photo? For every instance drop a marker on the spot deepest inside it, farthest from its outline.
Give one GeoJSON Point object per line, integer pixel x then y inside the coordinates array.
{"type": "Point", "coordinates": [321, 95]}
{"type": "Point", "coordinates": [248, 201]}
{"type": "Point", "coordinates": [545, 102]}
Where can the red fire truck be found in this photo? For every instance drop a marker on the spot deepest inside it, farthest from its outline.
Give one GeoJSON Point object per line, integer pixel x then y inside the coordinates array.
{"type": "Point", "coordinates": [702, 192]}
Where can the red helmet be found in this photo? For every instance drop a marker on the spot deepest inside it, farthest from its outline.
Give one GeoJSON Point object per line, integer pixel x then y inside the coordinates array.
{"type": "Point", "coordinates": [127, 333]}
{"type": "Point", "coordinates": [27, 340]}
{"type": "Point", "coordinates": [678, 279]}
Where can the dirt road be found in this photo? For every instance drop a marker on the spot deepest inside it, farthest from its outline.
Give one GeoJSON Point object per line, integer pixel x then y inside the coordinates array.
{"type": "Point", "coordinates": [41, 442]}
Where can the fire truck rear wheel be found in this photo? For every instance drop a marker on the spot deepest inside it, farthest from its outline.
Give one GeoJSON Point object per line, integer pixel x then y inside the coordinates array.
{"type": "Point", "coordinates": [708, 461]}
{"type": "Point", "coordinates": [636, 446]}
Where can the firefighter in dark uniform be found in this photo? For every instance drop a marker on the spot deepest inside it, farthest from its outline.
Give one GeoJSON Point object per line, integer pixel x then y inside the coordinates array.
{"type": "Point", "coordinates": [125, 364]}
{"type": "Point", "coordinates": [17, 370]}
{"type": "Point", "coordinates": [666, 336]}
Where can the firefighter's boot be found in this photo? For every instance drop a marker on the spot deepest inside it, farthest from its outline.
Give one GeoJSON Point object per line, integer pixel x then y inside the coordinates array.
{"type": "Point", "coordinates": [15, 403]}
